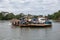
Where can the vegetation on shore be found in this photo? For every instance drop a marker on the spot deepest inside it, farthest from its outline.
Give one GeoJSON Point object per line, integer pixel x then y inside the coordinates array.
{"type": "Point", "coordinates": [55, 16]}
{"type": "Point", "coordinates": [8, 16]}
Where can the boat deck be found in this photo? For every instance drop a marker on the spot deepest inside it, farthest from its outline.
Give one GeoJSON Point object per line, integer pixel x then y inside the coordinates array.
{"type": "Point", "coordinates": [35, 25]}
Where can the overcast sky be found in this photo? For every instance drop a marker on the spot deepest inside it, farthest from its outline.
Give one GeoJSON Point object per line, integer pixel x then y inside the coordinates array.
{"type": "Point", "coordinates": [36, 7]}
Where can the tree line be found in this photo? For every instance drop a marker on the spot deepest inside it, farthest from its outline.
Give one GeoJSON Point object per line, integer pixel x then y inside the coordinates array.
{"type": "Point", "coordinates": [9, 16]}
{"type": "Point", "coordinates": [55, 16]}
{"type": "Point", "coordinates": [5, 16]}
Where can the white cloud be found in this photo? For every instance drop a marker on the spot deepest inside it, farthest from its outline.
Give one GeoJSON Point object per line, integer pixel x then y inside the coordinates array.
{"type": "Point", "coordinates": [30, 6]}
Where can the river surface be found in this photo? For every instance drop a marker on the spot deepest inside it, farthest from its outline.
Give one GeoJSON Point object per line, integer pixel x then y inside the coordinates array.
{"type": "Point", "coordinates": [8, 32]}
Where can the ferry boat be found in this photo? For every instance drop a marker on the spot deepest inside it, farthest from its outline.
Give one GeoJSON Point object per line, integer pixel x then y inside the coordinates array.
{"type": "Point", "coordinates": [36, 22]}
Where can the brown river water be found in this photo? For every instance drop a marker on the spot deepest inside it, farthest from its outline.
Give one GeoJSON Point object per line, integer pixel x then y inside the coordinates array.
{"type": "Point", "coordinates": [7, 32]}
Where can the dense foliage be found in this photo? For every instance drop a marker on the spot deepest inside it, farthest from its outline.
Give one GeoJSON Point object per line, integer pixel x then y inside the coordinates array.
{"type": "Point", "coordinates": [8, 16]}
{"type": "Point", "coordinates": [55, 16]}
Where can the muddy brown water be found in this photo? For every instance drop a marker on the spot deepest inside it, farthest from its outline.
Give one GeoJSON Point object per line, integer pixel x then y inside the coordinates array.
{"type": "Point", "coordinates": [7, 32]}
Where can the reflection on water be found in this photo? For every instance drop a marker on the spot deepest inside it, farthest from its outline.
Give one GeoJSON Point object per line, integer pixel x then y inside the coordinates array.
{"type": "Point", "coordinates": [8, 32]}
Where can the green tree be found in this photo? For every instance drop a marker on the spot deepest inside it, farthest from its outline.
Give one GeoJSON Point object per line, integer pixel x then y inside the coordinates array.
{"type": "Point", "coordinates": [50, 16]}
{"type": "Point", "coordinates": [4, 14]}
{"type": "Point", "coordinates": [1, 16]}
{"type": "Point", "coordinates": [35, 16]}
{"type": "Point", "coordinates": [19, 15]}
{"type": "Point", "coordinates": [9, 16]}
{"type": "Point", "coordinates": [55, 16]}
